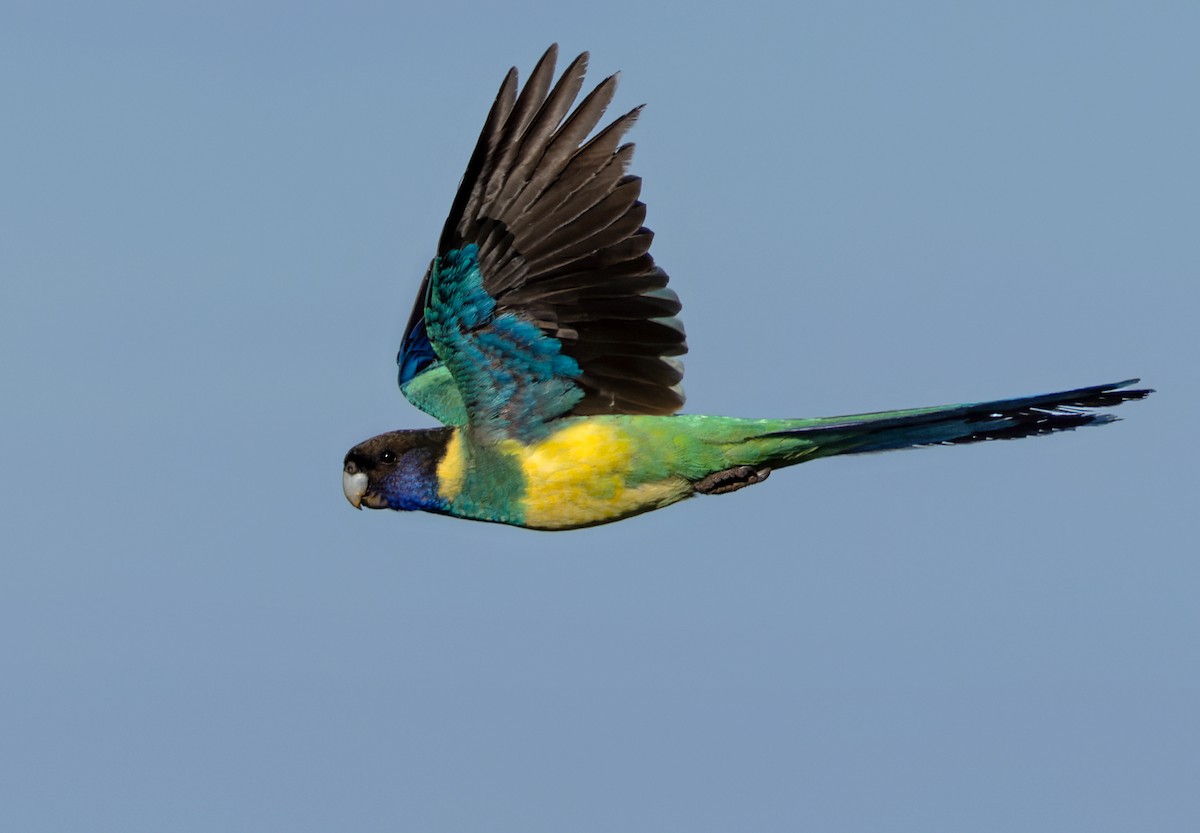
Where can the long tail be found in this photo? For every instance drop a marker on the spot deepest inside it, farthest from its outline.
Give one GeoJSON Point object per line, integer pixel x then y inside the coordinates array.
{"type": "Point", "coordinates": [1004, 419]}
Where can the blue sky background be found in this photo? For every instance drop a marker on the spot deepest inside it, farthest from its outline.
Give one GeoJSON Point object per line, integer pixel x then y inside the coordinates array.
{"type": "Point", "coordinates": [211, 225]}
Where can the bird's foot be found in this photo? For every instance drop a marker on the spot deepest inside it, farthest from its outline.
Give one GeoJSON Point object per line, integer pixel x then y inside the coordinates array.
{"type": "Point", "coordinates": [730, 480]}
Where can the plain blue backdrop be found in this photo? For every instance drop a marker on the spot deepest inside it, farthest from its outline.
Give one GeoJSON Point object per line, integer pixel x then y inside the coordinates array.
{"type": "Point", "coordinates": [212, 221]}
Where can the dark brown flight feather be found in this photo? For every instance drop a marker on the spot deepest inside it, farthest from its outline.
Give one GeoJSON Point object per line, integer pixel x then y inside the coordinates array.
{"type": "Point", "coordinates": [558, 222]}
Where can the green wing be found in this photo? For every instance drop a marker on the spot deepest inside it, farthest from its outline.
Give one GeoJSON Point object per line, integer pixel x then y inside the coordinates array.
{"type": "Point", "coordinates": [556, 226]}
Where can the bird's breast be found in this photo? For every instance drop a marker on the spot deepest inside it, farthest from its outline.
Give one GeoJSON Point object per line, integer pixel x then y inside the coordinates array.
{"type": "Point", "coordinates": [589, 471]}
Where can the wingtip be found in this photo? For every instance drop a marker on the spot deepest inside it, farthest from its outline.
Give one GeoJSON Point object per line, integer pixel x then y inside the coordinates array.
{"type": "Point", "coordinates": [549, 59]}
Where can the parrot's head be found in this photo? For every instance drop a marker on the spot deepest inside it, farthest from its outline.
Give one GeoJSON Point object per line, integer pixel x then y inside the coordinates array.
{"type": "Point", "coordinates": [396, 470]}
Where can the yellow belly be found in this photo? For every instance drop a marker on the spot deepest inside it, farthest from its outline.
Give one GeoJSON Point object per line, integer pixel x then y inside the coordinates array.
{"type": "Point", "coordinates": [581, 476]}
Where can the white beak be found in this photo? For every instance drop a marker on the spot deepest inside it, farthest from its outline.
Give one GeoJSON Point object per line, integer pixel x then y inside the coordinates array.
{"type": "Point", "coordinates": [354, 486]}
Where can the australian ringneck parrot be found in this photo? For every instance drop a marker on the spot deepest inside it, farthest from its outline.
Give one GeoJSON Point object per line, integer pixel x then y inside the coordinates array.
{"type": "Point", "coordinates": [546, 341]}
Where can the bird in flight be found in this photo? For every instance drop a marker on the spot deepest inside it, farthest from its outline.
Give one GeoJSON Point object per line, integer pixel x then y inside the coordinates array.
{"type": "Point", "coordinates": [545, 339]}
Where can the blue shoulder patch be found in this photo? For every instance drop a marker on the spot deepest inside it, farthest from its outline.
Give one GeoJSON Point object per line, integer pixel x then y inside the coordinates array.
{"type": "Point", "coordinates": [512, 376]}
{"type": "Point", "coordinates": [416, 352]}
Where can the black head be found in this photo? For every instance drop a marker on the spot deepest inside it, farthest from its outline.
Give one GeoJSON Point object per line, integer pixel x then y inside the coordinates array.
{"type": "Point", "coordinates": [396, 470]}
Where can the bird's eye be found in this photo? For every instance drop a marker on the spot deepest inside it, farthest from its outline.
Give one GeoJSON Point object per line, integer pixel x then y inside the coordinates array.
{"type": "Point", "coordinates": [388, 457]}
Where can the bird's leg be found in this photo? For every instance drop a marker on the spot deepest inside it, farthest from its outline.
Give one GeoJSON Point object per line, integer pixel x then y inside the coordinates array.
{"type": "Point", "coordinates": [730, 480]}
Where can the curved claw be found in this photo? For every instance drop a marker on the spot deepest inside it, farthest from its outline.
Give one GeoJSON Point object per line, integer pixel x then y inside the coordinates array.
{"type": "Point", "coordinates": [730, 480]}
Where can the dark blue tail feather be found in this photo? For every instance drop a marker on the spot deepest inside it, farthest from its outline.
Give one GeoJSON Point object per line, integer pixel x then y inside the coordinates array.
{"type": "Point", "coordinates": [1004, 419]}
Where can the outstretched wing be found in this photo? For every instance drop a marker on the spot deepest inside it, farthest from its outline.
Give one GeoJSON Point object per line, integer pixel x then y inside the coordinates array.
{"type": "Point", "coordinates": [551, 222]}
